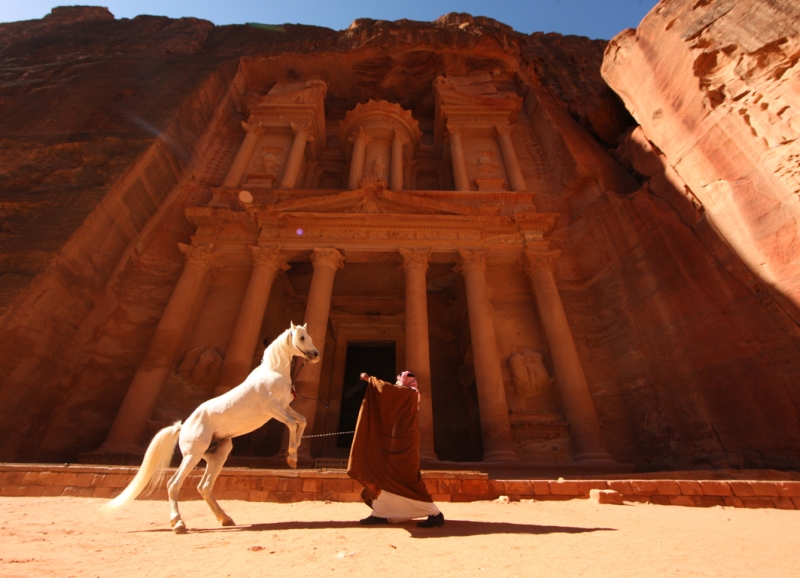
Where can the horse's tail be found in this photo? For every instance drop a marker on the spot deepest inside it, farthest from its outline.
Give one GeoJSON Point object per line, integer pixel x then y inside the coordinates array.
{"type": "Point", "coordinates": [156, 461]}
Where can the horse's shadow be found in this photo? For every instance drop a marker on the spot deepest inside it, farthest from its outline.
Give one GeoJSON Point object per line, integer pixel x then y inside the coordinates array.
{"type": "Point", "coordinates": [451, 528]}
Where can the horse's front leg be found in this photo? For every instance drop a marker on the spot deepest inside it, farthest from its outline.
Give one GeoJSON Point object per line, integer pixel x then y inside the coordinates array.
{"type": "Point", "coordinates": [283, 416]}
{"type": "Point", "coordinates": [294, 443]}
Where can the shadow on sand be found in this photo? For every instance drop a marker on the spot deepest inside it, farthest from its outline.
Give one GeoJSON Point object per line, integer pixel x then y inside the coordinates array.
{"type": "Point", "coordinates": [451, 528]}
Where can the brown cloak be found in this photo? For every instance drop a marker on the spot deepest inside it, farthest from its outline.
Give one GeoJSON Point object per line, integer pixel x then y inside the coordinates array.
{"type": "Point", "coordinates": [385, 450]}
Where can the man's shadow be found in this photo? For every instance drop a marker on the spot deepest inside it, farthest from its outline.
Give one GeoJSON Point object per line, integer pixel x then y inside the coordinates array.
{"type": "Point", "coordinates": [451, 528]}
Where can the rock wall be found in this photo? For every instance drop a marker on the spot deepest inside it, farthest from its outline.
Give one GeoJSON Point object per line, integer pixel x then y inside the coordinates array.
{"type": "Point", "coordinates": [687, 328]}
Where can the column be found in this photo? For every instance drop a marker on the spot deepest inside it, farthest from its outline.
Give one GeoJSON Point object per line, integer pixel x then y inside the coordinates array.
{"type": "Point", "coordinates": [140, 400]}
{"type": "Point", "coordinates": [457, 157]}
{"type": "Point", "coordinates": [359, 141]}
{"type": "Point", "coordinates": [396, 182]}
{"type": "Point", "coordinates": [268, 263]}
{"type": "Point", "coordinates": [498, 444]}
{"type": "Point", "coordinates": [418, 357]}
{"type": "Point", "coordinates": [326, 263]}
{"type": "Point", "coordinates": [587, 438]}
{"type": "Point", "coordinates": [510, 158]}
{"type": "Point", "coordinates": [246, 149]}
{"type": "Point", "coordinates": [296, 154]}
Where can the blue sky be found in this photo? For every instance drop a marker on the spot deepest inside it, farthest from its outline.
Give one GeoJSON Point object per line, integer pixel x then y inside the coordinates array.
{"type": "Point", "coordinates": [592, 18]}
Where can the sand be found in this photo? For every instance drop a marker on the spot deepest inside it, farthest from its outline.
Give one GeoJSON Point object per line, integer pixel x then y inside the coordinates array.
{"type": "Point", "coordinates": [69, 537]}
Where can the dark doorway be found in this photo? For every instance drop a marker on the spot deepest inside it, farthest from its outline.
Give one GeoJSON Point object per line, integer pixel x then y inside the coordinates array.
{"type": "Point", "coordinates": [375, 358]}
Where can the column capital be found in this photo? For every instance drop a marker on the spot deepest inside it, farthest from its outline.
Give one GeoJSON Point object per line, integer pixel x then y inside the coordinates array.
{"type": "Point", "coordinates": [298, 127]}
{"type": "Point", "coordinates": [416, 258]}
{"type": "Point", "coordinates": [203, 255]}
{"type": "Point", "coordinates": [471, 260]}
{"type": "Point", "coordinates": [359, 134]}
{"type": "Point", "coordinates": [540, 260]}
{"type": "Point", "coordinates": [504, 129]}
{"type": "Point", "coordinates": [270, 257]}
{"type": "Point", "coordinates": [253, 127]}
{"type": "Point", "coordinates": [399, 136]}
{"type": "Point", "coordinates": [327, 258]}
{"type": "Point", "coordinates": [454, 129]}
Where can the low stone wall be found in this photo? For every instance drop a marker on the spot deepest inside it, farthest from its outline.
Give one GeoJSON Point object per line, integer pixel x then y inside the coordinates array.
{"type": "Point", "coordinates": [335, 486]}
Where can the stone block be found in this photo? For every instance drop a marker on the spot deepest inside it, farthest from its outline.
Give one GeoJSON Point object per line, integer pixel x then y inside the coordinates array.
{"type": "Point", "coordinates": [517, 487]}
{"type": "Point", "coordinates": [38, 491]}
{"type": "Point", "coordinates": [690, 488]}
{"type": "Point", "coordinates": [269, 483]}
{"type": "Point", "coordinates": [741, 488]}
{"type": "Point", "coordinates": [117, 480]}
{"type": "Point", "coordinates": [77, 491]}
{"type": "Point", "coordinates": [431, 484]}
{"type": "Point", "coordinates": [16, 491]}
{"type": "Point", "coordinates": [716, 488]}
{"type": "Point", "coordinates": [103, 492]}
{"type": "Point", "coordinates": [541, 488]}
{"type": "Point", "coordinates": [235, 495]}
{"type": "Point", "coordinates": [258, 496]}
{"type": "Point", "coordinates": [564, 488]}
{"type": "Point", "coordinates": [708, 501]}
{"type": "Point", "coordinates": [584, 487]}
{"type": "Point", "coordinates": [788, 489]}
{"type": "Point", "coordinates": [282, 497]}
{"type": "Point", "coordinates": [477, 487]}
{"type": "Point", "coordinates": [348, 497]}
{"type": "Point", "coordinates": [449, 486]}
{"type": "Point", "coordinates": [312, 485]}
{"type": "Point", "coordinates": [784, 503]}
{"type": "Point", "coordinates": [668, 488]}
{"type": "Point", "coordinates": [764, 489]}
{"type": "Point", "coordinates": [441, 497]}
{"type": "Point", "coordinates": [296, 485]}
{"type": "Point", "coordinates": [796, 502]}
{"type": "Point", "coordinates": [53, 491]}
{"type": "Point", "coordinates": [621, 486]}
{"type": "Point", "coordinates": [66, 479]}
{"type": "Point", "coordinates": [757, 502]}
{"type": "Point", "coordinates": [660, 500]}
{"type": "Point", "coordinates": [339, 486]}
{"type": "Point", "coordinates": [605, 496]}
{"type": "Point", "coordinates": [681, 501]}
{"type": "Point", "coordinates": [497, 487]}
{"type": "Point", "coordinates": [644, 488]}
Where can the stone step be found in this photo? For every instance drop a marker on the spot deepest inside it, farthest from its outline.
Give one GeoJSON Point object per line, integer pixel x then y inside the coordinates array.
{"type": "Point", "coordinates": [265, 485]}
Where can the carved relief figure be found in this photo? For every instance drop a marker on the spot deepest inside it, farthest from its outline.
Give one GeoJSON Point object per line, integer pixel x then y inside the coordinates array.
{"type": "Point", "coordinates": [270, 162]}
{"type": "Point", "coordinates": [532, 381]}
{"type": "Point", "coordinates": [377, 171]}
{"type": "Point", "coordinates": [485, 163]}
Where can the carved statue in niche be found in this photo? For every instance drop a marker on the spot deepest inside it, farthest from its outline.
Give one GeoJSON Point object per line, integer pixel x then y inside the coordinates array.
{"type": "Point", "coordinates": [377, 171]}
{"type": "Point", "coordinates": [270, 162]}
{"type": "Point", "coordinates": [485, 163]}
{"type": "Point", "coordinates": [532, 382]}
{"type": "Point", "coordinates": [201, 366]}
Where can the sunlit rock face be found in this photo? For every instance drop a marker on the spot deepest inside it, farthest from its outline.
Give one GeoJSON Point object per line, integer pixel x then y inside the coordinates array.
{"type": "Point", "coordinates": [459, 148]}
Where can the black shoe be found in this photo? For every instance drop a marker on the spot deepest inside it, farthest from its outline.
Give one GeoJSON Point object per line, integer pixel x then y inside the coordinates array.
{"type": "Point", "coordinates": [373, 520]}
{"type": "Point", "coordinates": [432, 521]}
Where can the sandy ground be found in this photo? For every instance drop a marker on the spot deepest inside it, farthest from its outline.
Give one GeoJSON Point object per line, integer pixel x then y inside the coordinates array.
{"type": "Point", "coordinates": [68, 537]}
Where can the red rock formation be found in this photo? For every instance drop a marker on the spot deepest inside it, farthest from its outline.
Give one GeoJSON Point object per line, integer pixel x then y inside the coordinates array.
{"type": "Point", "coordinates": [110, 129]}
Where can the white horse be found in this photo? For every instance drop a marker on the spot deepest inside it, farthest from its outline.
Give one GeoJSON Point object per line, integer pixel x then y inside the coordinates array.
{"type": "Point", "coordinates": [265, 394]}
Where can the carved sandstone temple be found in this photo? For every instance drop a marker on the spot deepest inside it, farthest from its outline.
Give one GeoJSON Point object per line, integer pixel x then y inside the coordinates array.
{"type": "Point", "coordinates": [452, 198]}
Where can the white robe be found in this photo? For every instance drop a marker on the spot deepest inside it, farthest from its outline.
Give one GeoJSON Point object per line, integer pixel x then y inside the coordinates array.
{"type": "Point", "coordinates": [398, 509]}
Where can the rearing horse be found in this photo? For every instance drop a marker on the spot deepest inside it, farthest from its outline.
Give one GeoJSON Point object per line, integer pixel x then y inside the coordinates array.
{"type": "Point", "coordinates": [265, 394]}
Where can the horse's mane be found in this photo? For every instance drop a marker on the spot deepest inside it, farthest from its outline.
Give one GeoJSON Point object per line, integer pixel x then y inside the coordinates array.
{"type": "Point", "coordinates": [275, 354]}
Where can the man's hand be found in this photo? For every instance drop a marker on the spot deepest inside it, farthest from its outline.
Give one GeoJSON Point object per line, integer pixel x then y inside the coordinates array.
{"type": "Point", "coordinates": [364, 377]}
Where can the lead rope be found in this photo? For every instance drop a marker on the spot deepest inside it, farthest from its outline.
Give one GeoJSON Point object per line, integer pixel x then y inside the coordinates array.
{"type": "Point", "coordinates": [296, 394]}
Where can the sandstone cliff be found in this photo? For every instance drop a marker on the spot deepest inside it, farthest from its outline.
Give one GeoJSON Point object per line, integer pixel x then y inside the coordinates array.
{"type": "Point", "coordinates": [688, 335]}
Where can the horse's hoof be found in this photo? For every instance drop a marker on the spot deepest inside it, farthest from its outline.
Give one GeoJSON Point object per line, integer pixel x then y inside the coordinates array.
{"type": "Point", "coordinates": [179, 527]}
{"type": "Point", "coordinates": [227, 521]}
{"type": "Point", "coordinates": [292, 463]}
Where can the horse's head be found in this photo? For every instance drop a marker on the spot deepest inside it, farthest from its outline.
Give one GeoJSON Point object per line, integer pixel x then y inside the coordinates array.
{"type": "Point", "coordinates": [301, 342]}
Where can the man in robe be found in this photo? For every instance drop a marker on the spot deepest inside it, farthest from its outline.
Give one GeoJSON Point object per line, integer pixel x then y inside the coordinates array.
{"type": "Point", "coordinates": [384, 457]}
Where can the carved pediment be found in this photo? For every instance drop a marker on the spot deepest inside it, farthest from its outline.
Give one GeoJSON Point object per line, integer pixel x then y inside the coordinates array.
{"type": "Point", "coordinates": [378, 201]}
